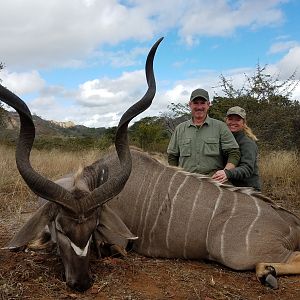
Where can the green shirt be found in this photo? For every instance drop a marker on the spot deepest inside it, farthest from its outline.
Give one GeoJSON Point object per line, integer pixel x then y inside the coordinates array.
{"type": "Point", "coordinates": [202, 149]}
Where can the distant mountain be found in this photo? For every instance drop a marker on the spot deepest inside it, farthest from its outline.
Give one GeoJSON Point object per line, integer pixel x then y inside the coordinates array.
{"type": "Point", "coordinates": [48, 128]}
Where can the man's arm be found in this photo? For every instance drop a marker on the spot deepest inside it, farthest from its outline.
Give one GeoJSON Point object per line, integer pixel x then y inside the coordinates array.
{"type": "Point", "coordinates": [173, 150]}
{"type": "Point", "coordinates": [232, 161]}
{"type": "Point", "coordinates": [173, 160]}
{"type": "Point", "coordinates": [231, 151]}
{"type": "Point", "coordinates": [234, 156]}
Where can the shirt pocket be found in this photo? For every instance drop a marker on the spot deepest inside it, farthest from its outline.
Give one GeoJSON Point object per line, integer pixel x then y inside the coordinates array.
{"type": "Point", "coordinates": [185, 147]}
{"type": "Point", "coordinates": [211, 146]}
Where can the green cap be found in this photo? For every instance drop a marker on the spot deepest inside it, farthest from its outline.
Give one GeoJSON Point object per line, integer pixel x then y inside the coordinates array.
{"type": "Point", "coordinates": [236, 110]}
{"type": "Point", "coordinates": [199, 93]}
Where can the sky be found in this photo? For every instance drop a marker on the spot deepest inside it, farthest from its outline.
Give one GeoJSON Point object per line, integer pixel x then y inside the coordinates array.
{"type": "Point", "coordinates": [83, 60]}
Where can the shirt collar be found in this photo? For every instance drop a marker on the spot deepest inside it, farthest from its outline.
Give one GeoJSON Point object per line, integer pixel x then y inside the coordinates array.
{"type": "Point", "coordinates": [206, 121]}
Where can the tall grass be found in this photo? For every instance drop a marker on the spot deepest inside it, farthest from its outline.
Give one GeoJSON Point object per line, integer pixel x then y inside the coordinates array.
{"type": "Point", "coordinates": [15, 196]}
{"type": "Point", "coordinates": [280, 174]}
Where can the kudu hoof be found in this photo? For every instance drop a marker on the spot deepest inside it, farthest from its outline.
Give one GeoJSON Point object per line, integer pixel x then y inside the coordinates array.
{"type": "Point", "coordinates": [270, 279]}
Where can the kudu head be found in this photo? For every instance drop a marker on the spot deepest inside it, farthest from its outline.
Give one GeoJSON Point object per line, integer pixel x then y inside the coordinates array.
{"type": "Point", "coordinates": [74, 212]}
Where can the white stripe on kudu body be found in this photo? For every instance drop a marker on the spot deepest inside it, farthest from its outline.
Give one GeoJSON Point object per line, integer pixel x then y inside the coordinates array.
{"type": "Point", "coordinates": [213, 214]}
{"type": "Point", "coordinates": [161, 208]}
{"type": "Point", "coordinates": [190, 219]}
{"type": "Point", "coordinates": [135, 204]}
{"type": "Point", "coordinates": [225, 226]}
{"type": "Point", "coordinates": [173, 200]}
{"type": "Point", "coordinates": [149, 204]}
{"type": "Point", "coordinates": [144, 199]}
{"type": "Point", "coordinates": [252, 225]}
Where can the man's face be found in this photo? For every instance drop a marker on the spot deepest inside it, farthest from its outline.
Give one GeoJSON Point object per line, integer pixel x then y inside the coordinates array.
{"type": "Point", "coordinates": [199, 108]}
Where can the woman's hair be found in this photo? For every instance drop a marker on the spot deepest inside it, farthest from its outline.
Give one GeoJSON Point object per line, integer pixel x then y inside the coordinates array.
{"type": "Point", "coordinates": [248, 132]}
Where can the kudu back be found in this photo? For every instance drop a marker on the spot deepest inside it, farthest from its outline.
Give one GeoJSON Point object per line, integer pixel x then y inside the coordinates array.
{"type": "Point", "coordinates": [74, 211]}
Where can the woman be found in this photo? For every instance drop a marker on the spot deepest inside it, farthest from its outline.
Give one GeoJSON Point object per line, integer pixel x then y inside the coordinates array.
{"type": "Point", "coordinates": [246, 173]}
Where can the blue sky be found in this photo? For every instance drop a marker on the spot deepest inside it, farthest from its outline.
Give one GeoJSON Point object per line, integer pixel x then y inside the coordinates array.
{"type": "Point", "coordinates": [83, 60]}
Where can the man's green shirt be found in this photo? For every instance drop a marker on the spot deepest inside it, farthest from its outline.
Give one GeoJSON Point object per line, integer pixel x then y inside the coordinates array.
{"type": "Point", "coordinates": [203, 149]}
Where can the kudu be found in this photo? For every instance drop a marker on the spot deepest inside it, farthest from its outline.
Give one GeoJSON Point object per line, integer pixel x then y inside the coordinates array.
{"type": "Point", "coordinates": [75, 210]}
{"type": "Point", "coordinates": [177, 214]}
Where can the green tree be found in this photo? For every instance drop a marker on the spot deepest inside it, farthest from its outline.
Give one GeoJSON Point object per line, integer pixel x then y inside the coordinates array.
{"type": "Point", "coordinates": [148, 133]}
{"type": "Point", "coordinates": [272, 115]}
{"type": "Point", "coordinates": [107, 139]}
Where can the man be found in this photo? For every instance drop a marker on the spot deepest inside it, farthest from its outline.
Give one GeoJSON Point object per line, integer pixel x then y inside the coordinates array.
{"type": "Point", "coordinates": [202, 144]}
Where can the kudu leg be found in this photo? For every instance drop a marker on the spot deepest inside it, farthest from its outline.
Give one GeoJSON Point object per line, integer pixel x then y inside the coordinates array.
{"type": "Point", "coordinates": [266, 272]}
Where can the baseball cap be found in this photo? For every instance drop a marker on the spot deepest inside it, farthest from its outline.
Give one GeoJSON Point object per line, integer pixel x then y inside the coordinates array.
{"type": "Point", "coordinates": [199, 93]}
{"type": "Point", "coordinates": [236, 110]}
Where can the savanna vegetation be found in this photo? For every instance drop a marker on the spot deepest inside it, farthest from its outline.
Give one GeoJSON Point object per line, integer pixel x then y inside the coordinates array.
{"type": "Point", "coordinates": [272, 115]}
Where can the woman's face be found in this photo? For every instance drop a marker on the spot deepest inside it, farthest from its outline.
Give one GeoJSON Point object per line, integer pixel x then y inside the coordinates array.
{"type": "Point", "coordinates": [235, 123]}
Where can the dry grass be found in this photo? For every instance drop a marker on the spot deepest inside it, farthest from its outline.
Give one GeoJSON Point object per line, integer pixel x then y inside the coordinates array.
{"type": "Point", "coordinates": [15, 196]}
{"type": "Point", "coordinates": [279, 172]}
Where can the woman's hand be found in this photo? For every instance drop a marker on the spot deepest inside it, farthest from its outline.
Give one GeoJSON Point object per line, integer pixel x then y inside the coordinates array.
{"type": "Point", "coordinates": [220, 176]}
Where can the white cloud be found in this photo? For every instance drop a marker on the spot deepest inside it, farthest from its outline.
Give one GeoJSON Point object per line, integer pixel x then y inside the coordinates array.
{"type": "Point", "coordinates": [222, 18]}
{"type": "Point", "coordinates": [108, 93]}
{"type": "Point", "coordinates": [282, 46]}
{"type": "Point", "coordinates": [22, 83]}
{"type": "Point", "coordinates": [106, 120]}
{"type": "Point", "coordinates": [289, 64]}
{"type": "Point", "coordinates": [63, 33]}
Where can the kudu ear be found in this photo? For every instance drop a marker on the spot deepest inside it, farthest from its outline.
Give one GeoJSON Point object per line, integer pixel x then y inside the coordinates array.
{"type": "Point", "coordinates": [111, 221]}
{"type": "Point", "coordinates": [34, 226]}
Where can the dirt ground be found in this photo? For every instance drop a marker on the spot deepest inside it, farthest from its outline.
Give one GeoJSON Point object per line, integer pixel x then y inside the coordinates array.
{"type": "Point", "coordinates": [39, 275]}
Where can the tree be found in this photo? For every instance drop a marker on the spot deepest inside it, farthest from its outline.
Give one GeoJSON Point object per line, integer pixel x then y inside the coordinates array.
{"type": "Point", "coordinates": [177, 113]}
{"type": "Point", "coordinates": [260, 86]}
{"type": "Point", "coordinates": [148, 133]}
{"type": "Point", "coordinates": [273, 116]}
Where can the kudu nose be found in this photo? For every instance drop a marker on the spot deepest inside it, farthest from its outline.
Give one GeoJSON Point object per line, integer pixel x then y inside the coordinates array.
{"type": "Point", "coordinates": [80, 285]}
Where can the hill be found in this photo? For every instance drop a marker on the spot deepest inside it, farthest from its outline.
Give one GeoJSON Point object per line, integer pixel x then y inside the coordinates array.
{"type": "Point", "coordinates": [46, 128]}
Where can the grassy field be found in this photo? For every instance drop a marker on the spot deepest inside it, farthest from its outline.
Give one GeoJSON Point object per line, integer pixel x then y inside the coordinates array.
{"type": "Point", "coordinates": [14, 194]}
{"type": "Point", "coordinates": [279, 171]}
{"type": "Point", "coordinates": [280, 175]}
{"type": "Point", "coordinates": [39, 275]}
